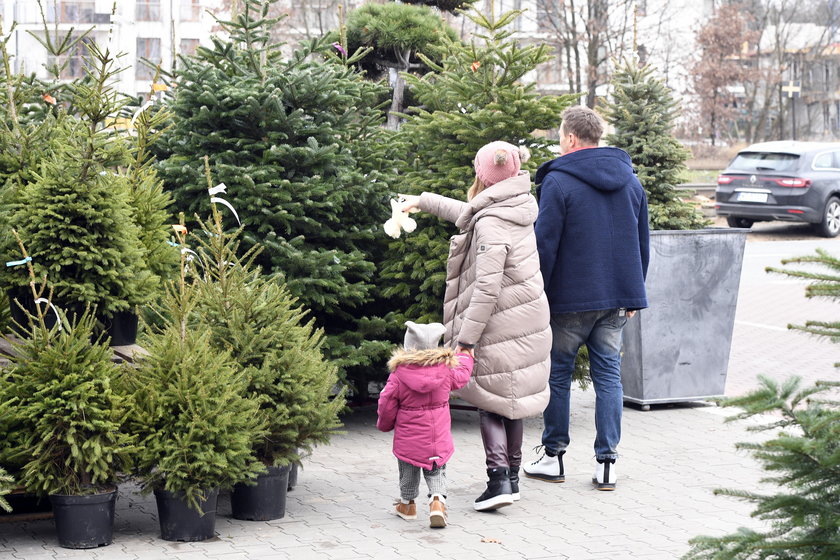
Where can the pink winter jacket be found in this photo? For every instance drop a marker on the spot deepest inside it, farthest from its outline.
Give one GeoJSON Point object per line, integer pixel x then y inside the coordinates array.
{"type": "Point", "coordinates": [415, 403]}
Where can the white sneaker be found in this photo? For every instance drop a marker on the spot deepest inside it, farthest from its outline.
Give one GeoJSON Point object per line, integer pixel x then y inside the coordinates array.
{"type": "Point", "coordinates": [604, 477]}
{"type": "Point", "coordinates": [547, 468]}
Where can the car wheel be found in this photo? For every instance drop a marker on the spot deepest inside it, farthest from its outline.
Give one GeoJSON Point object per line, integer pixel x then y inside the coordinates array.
{"type": "Point", "coordinates": [830, 224]}
{"type": "Point", "coordinates": [735, 221]}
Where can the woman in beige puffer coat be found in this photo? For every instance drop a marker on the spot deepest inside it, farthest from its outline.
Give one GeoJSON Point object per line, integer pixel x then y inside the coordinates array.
{"type": "Point", "coordinates": [494, 303]}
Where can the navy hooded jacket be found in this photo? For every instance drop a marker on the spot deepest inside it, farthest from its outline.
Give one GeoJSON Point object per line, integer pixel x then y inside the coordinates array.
{"type": "Point", "coordinates": [592, 231]}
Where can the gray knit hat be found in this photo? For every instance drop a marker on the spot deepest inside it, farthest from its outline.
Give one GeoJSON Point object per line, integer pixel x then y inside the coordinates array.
{"type": "Point", "coordinates": [422, 337]}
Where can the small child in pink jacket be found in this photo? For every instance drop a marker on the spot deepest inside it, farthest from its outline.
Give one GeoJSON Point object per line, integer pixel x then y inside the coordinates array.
{"type": "Point", "coordinates": [415, 404]}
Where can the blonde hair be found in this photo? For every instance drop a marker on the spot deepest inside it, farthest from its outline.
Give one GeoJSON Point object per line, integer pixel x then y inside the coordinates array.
{"type": "Point", "coordinates": [476, 188]}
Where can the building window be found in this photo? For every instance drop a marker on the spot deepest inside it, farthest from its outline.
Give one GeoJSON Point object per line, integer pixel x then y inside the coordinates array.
{"type": "Point", "coordinates": [69, 11]}
{"type": "Point", "coordinates": [188, 46]}
{"type": "Point", "coordinates": [72, 64]}
{"type": "Point", "coordinates": [190, 10]}
{"type": "Point", "coordinates": [148, 10]}
{"type": "Point", "coordinates": [148, 49]}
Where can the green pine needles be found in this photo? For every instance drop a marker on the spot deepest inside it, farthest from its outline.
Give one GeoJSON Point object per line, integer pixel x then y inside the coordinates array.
{"type": "Point", "coordinates": [802, 458]}
{"type": "Point", "coordinates": [77, 223]}
{"type": "Point", "coordinates": [296, 141]}
{"type": "Point", "coordinates": [255, 318]}
{"type": "Point", "coordinates": [826, 283]}
{"type": "Point", "coordinates": [642, 111]}
{"type": "Point", "coordinates": [60, 394]}
{"type": "Point", "coordinates": [193, 422]}
{"type": "Point", "coordinates": [83, 196]}
{"type": "Point", "coordinates": [7, 484]}
{"type": "Point", "coordinates": [474, 96]}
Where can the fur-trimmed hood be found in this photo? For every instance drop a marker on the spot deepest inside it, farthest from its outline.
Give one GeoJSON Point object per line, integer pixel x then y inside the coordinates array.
{"type": "Point", "coordinates": [424, 358]}
{"type": "Point", "coordinates": [423, 371]}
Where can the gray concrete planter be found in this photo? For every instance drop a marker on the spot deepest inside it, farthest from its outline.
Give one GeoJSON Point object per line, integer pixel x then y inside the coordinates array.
{"type": "Point", "coordinates": [678, 349]}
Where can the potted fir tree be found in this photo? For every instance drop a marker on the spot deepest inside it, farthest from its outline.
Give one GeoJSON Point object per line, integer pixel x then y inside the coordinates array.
{"type": "Point", "coordinates": [255, 318]}
{"type": "Point", "coordinates": [678, 349]}
{"type": "Point", "coordinates": [73, 206]}
{"type": "Point", "coordinates": [193, 423]}
{"type": "Point", "coordinates": [59, 392]}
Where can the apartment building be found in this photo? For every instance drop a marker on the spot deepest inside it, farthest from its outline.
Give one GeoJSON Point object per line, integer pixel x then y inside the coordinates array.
{"type": "Point", "coordinates": [153, 30]}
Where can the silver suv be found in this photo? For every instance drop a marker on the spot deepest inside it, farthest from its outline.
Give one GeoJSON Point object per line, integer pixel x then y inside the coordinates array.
{"type": "Point", "coordinates": [786, 181]}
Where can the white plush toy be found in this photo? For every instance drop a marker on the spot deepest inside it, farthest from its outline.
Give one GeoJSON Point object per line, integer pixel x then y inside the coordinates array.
{"type": "Point", "coordinates": [399, 221]}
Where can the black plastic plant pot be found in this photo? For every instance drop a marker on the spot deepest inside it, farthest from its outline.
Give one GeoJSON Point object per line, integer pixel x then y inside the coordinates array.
{"type": "Point", "coordinates": [264, 501]}
{"type": "Point", "coordinates": [84, 521]}
{"type": "Point", "coordinates": [122, 328]}
{"type": "Point", "coordinates": [293, 476]}
{"type": "Point", "coordinates": [180, 522]}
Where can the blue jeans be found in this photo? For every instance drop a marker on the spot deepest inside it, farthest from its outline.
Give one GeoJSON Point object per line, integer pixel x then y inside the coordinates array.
{"type": "Point", "coordinates": [601, 332]}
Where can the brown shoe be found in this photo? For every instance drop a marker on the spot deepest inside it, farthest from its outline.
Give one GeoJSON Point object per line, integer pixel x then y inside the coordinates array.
{"type": "Point", "coordinates": [437, 513]}
{"type": "Point", "coordinates": [406, 511]}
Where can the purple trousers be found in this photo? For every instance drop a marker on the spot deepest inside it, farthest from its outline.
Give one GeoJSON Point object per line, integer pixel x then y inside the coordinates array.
{"type": "Point", "coordinates": [502, 439]}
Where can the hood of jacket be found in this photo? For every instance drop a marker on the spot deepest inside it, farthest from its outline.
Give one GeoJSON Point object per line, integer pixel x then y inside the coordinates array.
{"type": "Point", "coordinates": [509, 200]}
{"type": "Point", "coordinates": [605, 169]}
{"type": "Point", "coordinates": [414, 367]}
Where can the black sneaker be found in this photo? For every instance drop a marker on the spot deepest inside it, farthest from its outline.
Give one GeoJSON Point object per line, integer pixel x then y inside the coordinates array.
{"type": "Point", "coordinates": [498, 493]}
{"type": "Point", "coordinates": [514, 483]}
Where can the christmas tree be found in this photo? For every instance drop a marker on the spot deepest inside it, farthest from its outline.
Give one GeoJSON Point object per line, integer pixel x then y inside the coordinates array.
{"type": "Point", "coordinates": [297, 142]}
{"type": "Point", "coordinates": [474, 96]}
{"type": "Point", "coordinates": [59, 400]}
{"type": "Point", "coordinates": [268, 335]}
{"type": "Point", "coordinates": [802, 457]}
{"type": "Point", "coordinates": [189, 410]}
{"type": "Point", "coordinates": [60, 393]}
{"type": "Point", "coordinates": [83, 220]}
{"type": "Point", "coordinates": [397, 34]}
{"type": "Point", "coordinates": [642, 111]}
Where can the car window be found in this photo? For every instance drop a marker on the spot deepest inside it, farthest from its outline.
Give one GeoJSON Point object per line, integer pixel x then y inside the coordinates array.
{"type": "Point", "coordinates": [764, 161]}
{"type": "Point", "coordinates": [825, 160]}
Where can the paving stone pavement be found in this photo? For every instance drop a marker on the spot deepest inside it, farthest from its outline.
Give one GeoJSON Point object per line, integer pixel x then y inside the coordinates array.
{"type": "Point", "coordinates": [672, 458]}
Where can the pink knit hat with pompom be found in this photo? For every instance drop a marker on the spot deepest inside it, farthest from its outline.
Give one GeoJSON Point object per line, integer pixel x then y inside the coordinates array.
{"type": "Point", "coordinates": [498, 161]}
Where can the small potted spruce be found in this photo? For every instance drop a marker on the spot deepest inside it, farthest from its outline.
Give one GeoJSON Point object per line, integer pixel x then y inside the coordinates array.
{"type": "Point", "coordinates": [59, 392]}
{"type": "Point", "coordinates": [254, 317]}
{"type": "Point", "coordinates": [74, 209]}
{"type": "Point", "coordinates": [678, 349]}
{"type": "Point", "coordinates": [193, 423]}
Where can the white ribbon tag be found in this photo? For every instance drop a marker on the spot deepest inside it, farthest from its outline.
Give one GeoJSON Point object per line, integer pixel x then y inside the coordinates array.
{"type": "Point", "coordinates": [57, 316]}
{"type": "Point", "coordinates": [226, 203]}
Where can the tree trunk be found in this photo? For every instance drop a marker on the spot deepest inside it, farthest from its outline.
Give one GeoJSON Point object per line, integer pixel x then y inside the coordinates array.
{"type": "Point", "coordinates": [396, 103]}
{"type": "Point", "coordinates": [393, 122]}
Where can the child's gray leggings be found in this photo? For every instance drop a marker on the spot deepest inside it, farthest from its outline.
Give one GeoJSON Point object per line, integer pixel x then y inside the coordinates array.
{"type": "Point", "coordinates": [410, 480]}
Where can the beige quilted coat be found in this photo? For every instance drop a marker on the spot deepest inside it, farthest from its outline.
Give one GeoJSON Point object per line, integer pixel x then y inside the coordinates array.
{"type": "Point", "coordinates": [494, 297]}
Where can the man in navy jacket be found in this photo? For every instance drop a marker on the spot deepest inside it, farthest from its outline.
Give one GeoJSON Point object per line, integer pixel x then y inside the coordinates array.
{"type": "Point", "coordinates": [593, 239]}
